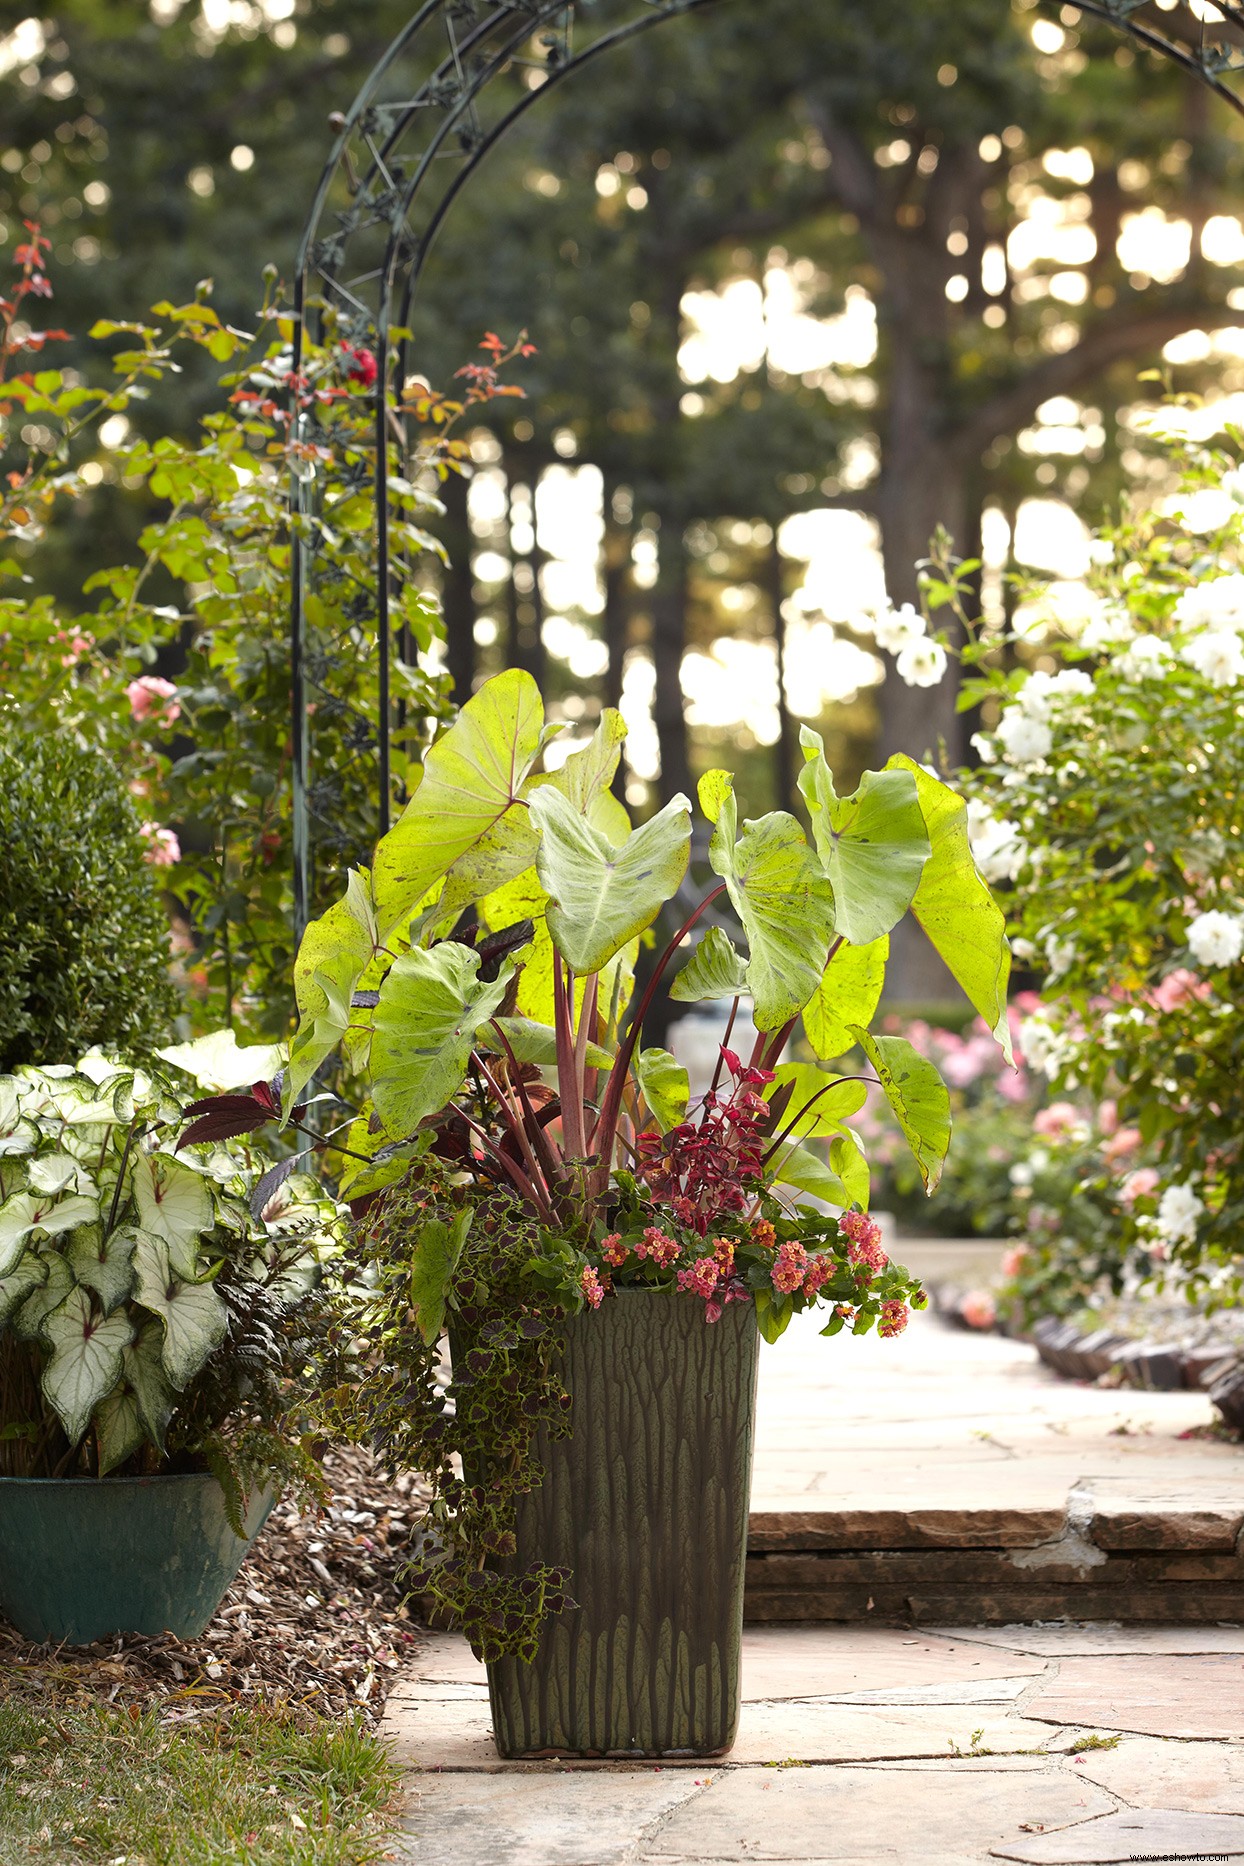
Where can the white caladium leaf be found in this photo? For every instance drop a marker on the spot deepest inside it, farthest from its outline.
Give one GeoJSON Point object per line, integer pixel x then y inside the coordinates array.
{"type": "Point", "coordinates": [194, 1317]}
{"type": "Point", "coordinates": [119, 1426]}
{"type": "Point", "coordinates": [25, 1212]}
{"type": "Point", "coordinates": [218, 1062]}
{"type": "Point", "coordinates": [58, 1172]}
{"type": "Point", "coordinates": [144, 1370]}
{"type": "Point", "coordinates": [104, 1264]}
{"type": "Point", "coordinates": [86, 1360]}
{"type": "Point", "coordinates": [28, 1274]}
{"type": "Point", "coordinates": [45, 1298]}
{"type": "Point", "coordinates": [174, 1204]}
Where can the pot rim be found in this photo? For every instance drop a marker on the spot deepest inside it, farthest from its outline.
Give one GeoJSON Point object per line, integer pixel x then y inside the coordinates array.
{"type": "Point", "coordinates": [97, 1483]}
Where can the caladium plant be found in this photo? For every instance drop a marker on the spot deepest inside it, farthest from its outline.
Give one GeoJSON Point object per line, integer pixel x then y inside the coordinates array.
{"type": "Point", "coordinates": [478, 978]}
{"type": "Point", "coordinates": [148, 1318]}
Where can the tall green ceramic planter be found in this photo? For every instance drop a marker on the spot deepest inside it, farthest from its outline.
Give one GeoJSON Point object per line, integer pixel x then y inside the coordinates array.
{"type": "Point", "coordinates": [82, 1558]}
{"type": "Point", "coordinates": [646, 1503]}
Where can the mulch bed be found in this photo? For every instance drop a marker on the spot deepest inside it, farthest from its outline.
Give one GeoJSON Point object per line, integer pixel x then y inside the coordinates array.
{"type": "Point", "coordinates": [315, 1619]}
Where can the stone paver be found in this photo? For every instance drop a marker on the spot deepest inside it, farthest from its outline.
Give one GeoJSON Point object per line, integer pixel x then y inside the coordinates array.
{"type": "Point", "coordinates": [865, 1746]}
{"type": "Point", "coordinates": [1201, 1696]}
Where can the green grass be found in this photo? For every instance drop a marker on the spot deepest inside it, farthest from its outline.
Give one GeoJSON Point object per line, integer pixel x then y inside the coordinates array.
{"type": "Point", "coordinates": [241, 1788]}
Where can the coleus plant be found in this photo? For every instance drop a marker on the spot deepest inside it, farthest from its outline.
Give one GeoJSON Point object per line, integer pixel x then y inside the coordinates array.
{"type": "Point", "coordinates": [150, 1319]}
{"type": "Point", "coordinates": [478, 979]}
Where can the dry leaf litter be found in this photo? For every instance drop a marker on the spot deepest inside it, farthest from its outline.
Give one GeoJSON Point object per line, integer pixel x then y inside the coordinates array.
{"type": "Point", "coordinates": [315, 1618]}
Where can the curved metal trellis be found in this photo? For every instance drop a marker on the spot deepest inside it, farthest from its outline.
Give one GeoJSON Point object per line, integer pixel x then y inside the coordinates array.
{"type": "Point", "coordinates": [452, 83]}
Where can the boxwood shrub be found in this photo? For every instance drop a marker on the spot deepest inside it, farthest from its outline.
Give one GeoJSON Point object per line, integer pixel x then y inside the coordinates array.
{"type": "Point", "coordinates": [83, 936]}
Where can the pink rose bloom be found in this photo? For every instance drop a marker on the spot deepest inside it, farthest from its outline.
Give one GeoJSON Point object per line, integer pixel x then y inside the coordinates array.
{"type": "Point", "coordinates": [165, 849]}
{"type": "Point", "coordinates": [1176, 989]}
{"type": "Point", "coordinates": [1121, 1144]}
{"type": "Point", "coordinates": [1059, 1118]}
{"type": "Point", "coordinates": [149, 696]}
{"type": "Point", "coordinates": [1139, 1185]}
{"type": "Point", "coordinates": [1108, 1116]}
{"type": "Point", "coordinates": [1013, 1085]}
{"type": "Point", "coordinates": [1013, 1259]}
{"type": "Point", "coordinates": [978, 1309]}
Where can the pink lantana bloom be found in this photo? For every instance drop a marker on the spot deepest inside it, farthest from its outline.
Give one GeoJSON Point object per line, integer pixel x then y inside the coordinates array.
{"type": "Point", "coordinates": [150, 697]}
{"type": "Point", "coordinates": [165, 849]}
{"type": "Point", "coordinates": [789, 1267]}
{"type": "Point", "coordinates": [894, 1318]}
{"type": "Point", "coordinates": [592, 1287]}
{"type": "Point", "coordinates": [701, 1278]}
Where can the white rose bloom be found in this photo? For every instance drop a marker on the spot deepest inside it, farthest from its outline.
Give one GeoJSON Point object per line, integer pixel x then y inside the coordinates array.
{"type": "Point", "coordinates": [922, 663]}
{"type": "Point", "coordinates": [1218, 654]}
{"type": "Point", "coordinates": [1059, 955]}
{"type": "Point", "coordinates": [997, 846]}
{"type": "Point", "coordinates": [1101, 552]}
{"type": "Point", "coordinates": [1045, 1049]}
{"type": "Point", "coordinates": [1178, 1210]}
{"type": "Point", "coordinates": [1146, 656]}
{"type": "Point", "coordinates": [1218, 604]}
{"type": "Point", "coordinates": [1216, 938]}
{"type": "Point", "coordinates": [1233, 485]}
{"type": "Point", "coordinates": [1024, 740]}
{"type": "Point", "coordinates": [898, 629]}
{"type": "Point", "coordinates": [982, 744]}
{"type": "Point", "coordinates": [1106, 630]}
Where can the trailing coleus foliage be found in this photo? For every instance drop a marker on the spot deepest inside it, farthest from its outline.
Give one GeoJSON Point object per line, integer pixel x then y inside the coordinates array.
{"type": "Point", "coordinates": [148, 1319]}
{"type": "Point", "coordinates": [478, 977]}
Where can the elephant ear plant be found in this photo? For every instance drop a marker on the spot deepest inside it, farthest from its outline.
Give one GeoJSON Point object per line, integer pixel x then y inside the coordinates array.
{"type": "Point", "coordinates": [150, 1321]}
{"type": "Point", "coordinates": [521, 1154]}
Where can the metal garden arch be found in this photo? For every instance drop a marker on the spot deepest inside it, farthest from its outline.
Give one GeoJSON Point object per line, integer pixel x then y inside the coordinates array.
{"type": "Point", "coordinates": [443, 95]}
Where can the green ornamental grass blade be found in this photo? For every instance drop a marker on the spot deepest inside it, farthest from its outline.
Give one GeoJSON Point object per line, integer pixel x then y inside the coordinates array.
{"type": "Point", "coordinates": [665, 1087]}
{"type": "Point", "coordinates": [780, 894]}
{"type": "Point", "coordinates": [849, 993]}
{"type": "Point", "coordinates": [602, 894]}
{"type": "Point", "coordinates": [194, 1317]}
{"type": "Point", "coordinates": [85, 1361]}
{"type": "Point", "coordinates": [431, 1006]}
{"type": "Point", "coordinates": [174, 1204]}
{"type": "Point", "coordinates": [714, 970]}
{"type": "Point", "coordinates": [437, 1250]}
{"type": "Point", "coordinates": [466, 814]}
{"type": "Point", "coordinates": [873, 844]}
{"type": "Point", "coordinates": [918, 1096]}
{"type": "Point", "coordinates": [955, 908]}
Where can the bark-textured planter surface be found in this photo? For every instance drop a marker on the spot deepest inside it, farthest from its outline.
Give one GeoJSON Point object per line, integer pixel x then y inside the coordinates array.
{"type": "Point", "coordinates": [82, 1558]}
{"type": "Point", "coordinates": [646, 1504]}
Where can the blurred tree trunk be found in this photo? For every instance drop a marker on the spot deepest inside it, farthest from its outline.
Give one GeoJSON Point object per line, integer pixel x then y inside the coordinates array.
{"type": "Point", "coordinates": [458, 588]}
{"type": "Point", "coordinates": [615, 621]}
{"type": "Point", "coordinates": [785, 752]}
{"type": "Point", "coordinates": [669, 640]}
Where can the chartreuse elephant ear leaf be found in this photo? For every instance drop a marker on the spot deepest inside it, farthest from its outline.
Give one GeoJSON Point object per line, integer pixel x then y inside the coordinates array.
{"type": "Point", "coordinates": [601, 893]}
{"type": "Point", "coordinates": [954, 906]}
{"type": "Point", "coordinates": [779, 893]}
{"type": "Point", "coordinates": [714, 970]}
{"type": "Point", "coordinates": [842, 1182]}
{"type": "Point", "coordinates": [918, 1096]}
{"type": "Point", "coordinates": [431, 1005]}
{"type": "Point", "coordinates": [849, 993]}
{"type": "Point", "coordinates": [332, 956]}
{"type": "Point", "coordinates": [665, 1087]}
{"type": "Point", "coordinates": [466, 815]}
{"type": "Point", "coordinates": [873, 844]}
{"type": "Point", "coordinates": [585, 778]}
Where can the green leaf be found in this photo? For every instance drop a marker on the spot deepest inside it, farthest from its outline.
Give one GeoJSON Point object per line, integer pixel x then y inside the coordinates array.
{"type": "Point", "coordinates": [829, 1103]}
{"type": "Point", "coordinates": [144, 1371]}
{"type": "Point", "coordinates": [601, 895]}
{"type": "Point", "coordinates": [586, 776]}
{"type": "Point", "coordinates": [524, 899]}
{"type": "Point", "coordinates": [175, 1205]}
{"type": "Point", "coordinates": [773, 1313]}
{"type": "Point", "coordinates": [807, 1172]}
{"type": "Point", "coordinates": [954, 906]}
{"type": "Point", "coordinates": [466, 814]}
{"type": "Point", "coordinates": [431, 1006]}
{"type": "Point", "coordinates": [918, 1096]}
{"type": "Point", "coordinates": [664, 1085]}
{"type": "Point", "coordinates": [29, 1273]}
{"type": "Point", "coordinates": [119, 1425]}
{"type": "Point", "coordinates": [194, 1317]}
{"type": "Point", "coordinates": [784, 901]}
{"type": "Point", "coordinates": [437, 1250]}
{"type": "Point", "coordinates": [104, 1265]}
{"type": "Point", "coordinates": [331, 957]}
{"type": "Point", "coordinates": [85, 1363]}
{"type": "Point", "coordinates": [535, 1043]}
{"type": "Point", "coordinates": [714, 970]}
{"type": "Point", "coordinates": [57, 1284]}
{"type": "Point", "coordinates": [848, 993]}
{"type": "Point", "coordinates": [873, 844]}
